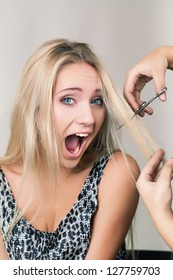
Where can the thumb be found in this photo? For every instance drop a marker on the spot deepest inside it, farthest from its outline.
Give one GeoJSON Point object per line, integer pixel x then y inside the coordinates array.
{"type": "Point", "coordinates": [166, 173]}
{"type": "Point", "coordinates": [159, 83]}
{"type": "Point", "coordinates": [149, 171]}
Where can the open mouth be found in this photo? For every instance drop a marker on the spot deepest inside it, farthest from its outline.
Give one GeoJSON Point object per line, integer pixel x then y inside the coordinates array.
{"type": "Point", "coordinates": [75, 142]}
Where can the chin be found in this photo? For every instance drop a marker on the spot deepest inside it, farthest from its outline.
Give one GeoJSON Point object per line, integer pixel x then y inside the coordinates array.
{"type": "Point", "coordinates": [69, 164]}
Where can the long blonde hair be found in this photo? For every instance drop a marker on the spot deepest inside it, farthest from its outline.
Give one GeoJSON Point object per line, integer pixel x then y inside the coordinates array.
{"type": "Point", "coordinates": [33, 138]}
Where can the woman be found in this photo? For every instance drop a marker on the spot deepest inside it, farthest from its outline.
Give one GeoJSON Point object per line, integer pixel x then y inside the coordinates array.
{"type": "Point", "coordinates": [67, 192]}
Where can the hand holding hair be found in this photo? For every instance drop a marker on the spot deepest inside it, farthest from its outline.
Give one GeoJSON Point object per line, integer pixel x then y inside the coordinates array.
{"type": "Point", "coordinates": [155, 189]}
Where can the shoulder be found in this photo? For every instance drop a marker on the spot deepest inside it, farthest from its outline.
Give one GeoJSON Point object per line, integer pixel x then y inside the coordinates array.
{"type": "Point", "coordinates": [11, 174]}
{"type": "Point", "coordinates": [120, 164]}
{"type": "Point", "coordinates": [120, 175]}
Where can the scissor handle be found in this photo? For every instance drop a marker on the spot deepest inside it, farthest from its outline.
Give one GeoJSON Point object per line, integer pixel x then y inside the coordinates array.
{"type": "Point", "coordinates": [162, 91]}
{"type": "Point", "coordinates": [146, 103]}
{"type": "Point", "coordinates": [141, 107]}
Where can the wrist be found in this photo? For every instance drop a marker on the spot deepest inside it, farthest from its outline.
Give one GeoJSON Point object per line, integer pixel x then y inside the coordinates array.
{"type": "Point", "coordinates": [164, 225]}
{"type": "Point", "coordinates": [162, 216]}
{"type": "Point", "coordinates": [167, 52]}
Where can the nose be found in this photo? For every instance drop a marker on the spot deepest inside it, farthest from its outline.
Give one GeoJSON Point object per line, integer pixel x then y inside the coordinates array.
{"type": "Point", "coordinates": [86, 116]}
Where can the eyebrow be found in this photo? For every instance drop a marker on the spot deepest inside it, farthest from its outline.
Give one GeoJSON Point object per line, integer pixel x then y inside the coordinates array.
{"type": "Point", "coordinates": [70, 89]}
{"type": "Point", "coordinates": [98, 90]}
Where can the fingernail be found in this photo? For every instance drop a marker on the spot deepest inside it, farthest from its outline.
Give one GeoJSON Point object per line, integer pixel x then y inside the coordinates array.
{"type": "Point", "coordinates": [163, 97]}
{"type": "Point", "coordinates": [170, 161]}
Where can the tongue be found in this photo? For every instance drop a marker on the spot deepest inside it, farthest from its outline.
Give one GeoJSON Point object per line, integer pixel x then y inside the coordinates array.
{"type": "Point", "coordinates": [71, 142]}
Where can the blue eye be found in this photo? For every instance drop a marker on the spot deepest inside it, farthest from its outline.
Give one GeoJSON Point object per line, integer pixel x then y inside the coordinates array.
{"type": "Point", "coordinates": [97, 101]}
{"type": "Point", "coordinates": [68, 100]}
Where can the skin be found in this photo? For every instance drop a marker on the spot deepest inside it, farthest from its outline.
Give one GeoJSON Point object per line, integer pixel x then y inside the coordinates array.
{"type": "Point", "coordinates": [155, 189]}
{"type": "Point", "coordinates": [152, 67]}
{"type": "Point", "coordinates": [78, 108]}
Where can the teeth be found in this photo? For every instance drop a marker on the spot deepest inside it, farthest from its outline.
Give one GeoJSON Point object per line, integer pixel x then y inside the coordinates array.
{"type": "Point", "coordinates": [82, 135]}
{"type": "Point", "coordinates": [76, 151]}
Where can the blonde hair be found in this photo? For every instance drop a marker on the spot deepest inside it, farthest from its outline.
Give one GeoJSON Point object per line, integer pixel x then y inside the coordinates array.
{"type": "Point", "coordinates": [33, 139]}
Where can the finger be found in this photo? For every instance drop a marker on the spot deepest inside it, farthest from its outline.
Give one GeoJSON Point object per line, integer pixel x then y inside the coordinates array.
{"type": "Point", "coordinates": [148, 172]}
{"type": "Point", "coordinates": [159, 83]}
{"type": "Point", "coordinates": [130, 92]}
{"type": "Point", "coordinates": [148, 110]}
{"type": "Point", "coordinates": [166, 172]}
{"type": "Point", "coordinates": [130, 98]}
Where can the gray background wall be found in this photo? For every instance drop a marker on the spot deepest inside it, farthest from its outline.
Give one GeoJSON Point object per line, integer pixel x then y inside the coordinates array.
{"type": "Point", "coordinates": [120, 31]}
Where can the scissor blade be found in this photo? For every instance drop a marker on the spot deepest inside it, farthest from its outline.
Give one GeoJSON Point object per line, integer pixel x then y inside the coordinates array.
{"type": "Point", "coordinates": [144, 105]}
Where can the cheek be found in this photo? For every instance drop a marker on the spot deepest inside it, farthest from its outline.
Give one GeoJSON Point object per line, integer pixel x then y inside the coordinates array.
{"type": "Point", "coordinates": [59, 119]}
{"type": "Point", "coordinates": [62, 121]}
{"type": "Point", "coordinates": [100, 117]}
{"type": "Point", "coordinates": [58, 112]}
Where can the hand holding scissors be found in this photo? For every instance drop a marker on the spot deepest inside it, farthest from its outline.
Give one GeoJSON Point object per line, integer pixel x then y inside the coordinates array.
{"type": "Point", "coordinates": [145, 104]}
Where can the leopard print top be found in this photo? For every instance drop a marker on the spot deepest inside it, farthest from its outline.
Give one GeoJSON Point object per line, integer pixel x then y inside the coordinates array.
{"type": "Point", "coordinates": [70, 241]}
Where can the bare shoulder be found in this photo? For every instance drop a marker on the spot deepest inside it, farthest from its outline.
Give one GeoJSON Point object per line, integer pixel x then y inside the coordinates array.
{"type": "Point", "coordinates": [120, 163]}
{"type": "Point", "coordinates": [120, 175]}
{"type": "Point", "coordinates": [127, 161]}
{"type": "Point", "coordinates": [12, 174]}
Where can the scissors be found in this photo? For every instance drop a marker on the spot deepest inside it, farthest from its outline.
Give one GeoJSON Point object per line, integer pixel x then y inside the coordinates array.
{"type": "Point", "coordinates": [145, 104]}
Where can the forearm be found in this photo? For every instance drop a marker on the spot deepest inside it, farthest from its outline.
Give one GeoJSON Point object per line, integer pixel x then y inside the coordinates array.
{"type": "Point", "coordinates": [163, 221]}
